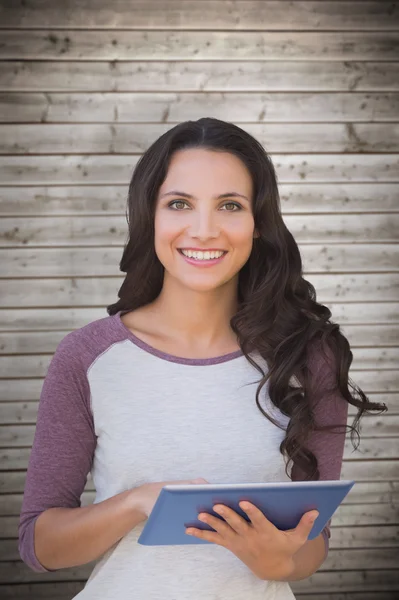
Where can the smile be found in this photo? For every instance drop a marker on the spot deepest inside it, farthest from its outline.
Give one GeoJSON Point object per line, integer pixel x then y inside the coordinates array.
{"type": "Point", "coordinates": [202, 258]}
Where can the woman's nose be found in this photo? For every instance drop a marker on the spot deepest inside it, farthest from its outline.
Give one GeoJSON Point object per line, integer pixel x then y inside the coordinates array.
{"type": "Point", "coordinates": [204, 226]}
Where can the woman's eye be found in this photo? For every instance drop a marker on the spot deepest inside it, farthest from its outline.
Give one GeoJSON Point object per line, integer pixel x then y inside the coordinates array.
{"type": "Point", "coordinates": [234, 204]}
{"type": "Point", "coordinates": [176, 202]}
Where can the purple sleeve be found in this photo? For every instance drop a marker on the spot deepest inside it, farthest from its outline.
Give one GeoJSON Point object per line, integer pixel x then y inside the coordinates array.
{"type": "Point", "coordinates": [329, 408]}
{"type": "Point", "coordinates": [63, 446]}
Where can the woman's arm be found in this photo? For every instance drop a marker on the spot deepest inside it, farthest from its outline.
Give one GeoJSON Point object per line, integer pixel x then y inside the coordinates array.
{"type": "Point", "coordinates": [308, 559]}
{"type": "Point", "coordinates": [67, 537]}
{"type": "Point", "coordinates": [55, 531]}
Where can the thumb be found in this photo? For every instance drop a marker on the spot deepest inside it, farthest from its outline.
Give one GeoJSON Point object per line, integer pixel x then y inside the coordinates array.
{"type": "Point", "coordinates": [305, 525]}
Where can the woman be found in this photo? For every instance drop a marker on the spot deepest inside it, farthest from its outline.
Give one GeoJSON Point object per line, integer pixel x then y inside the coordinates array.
{"type": "Point", "coordinates": [216, 363]}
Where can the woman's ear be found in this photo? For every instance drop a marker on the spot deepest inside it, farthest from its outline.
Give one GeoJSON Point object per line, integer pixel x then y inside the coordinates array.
{"type": "Point", "coordinates": [256, 233]}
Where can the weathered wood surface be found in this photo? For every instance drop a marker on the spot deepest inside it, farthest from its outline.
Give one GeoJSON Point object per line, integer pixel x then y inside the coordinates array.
{"type": "Point", "coordinates": [24, 389]}
{"type": "Point", "coordinates": [66, 318]}
{"type": "Point", "coordinates": [338, 197]}
{"type": "Point", "coordinates": [203, 14]}
{"type": "Point", "coordinates": [377, 438]}
{"type": "Point", "coordinates": [348, 521]}
{"type": "Point", "coordinates": [104, 261]}
{"type": "Point", "coordinates": [293, 137]}
{"type": "Point", "coordinates": [82, 95]}
{"type": "Point", "coordinates": [165, 109]}
{"type": "Point", "coordinates": [67, 169]}
{"type": "Point", "coordinates": [36, 365]}
{"type": "Point", "coordinates": [364, 492]}
{"type": "Point", "coordinates": [108, 230]}
{"type": "Point", "coordinates": [371, 287]}
{"type": "Point", "coordinates": [378, 336]}
{"type": "Point", "coordinates": [200, 76]}
{"type": "Point", "coordinates": [12, 459]}
{"type": "Point", "coordinates": [198, 45]}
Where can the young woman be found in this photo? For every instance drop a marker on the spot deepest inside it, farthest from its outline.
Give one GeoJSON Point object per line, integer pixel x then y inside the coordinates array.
{"type": "Point", "coordinates": [216, 364]}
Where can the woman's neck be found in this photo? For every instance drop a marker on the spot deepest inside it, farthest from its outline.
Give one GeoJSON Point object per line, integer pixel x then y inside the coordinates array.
{"type": "Point", "coordinates": [195, 318]}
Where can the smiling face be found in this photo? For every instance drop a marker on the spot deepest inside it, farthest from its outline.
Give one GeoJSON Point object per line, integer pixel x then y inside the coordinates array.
{"type": "Point", "coordinates": [204, 208]}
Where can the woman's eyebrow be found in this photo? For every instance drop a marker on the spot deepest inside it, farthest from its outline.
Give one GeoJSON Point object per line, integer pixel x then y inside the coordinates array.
{"type": "Point", "coordinates": [185, 195]}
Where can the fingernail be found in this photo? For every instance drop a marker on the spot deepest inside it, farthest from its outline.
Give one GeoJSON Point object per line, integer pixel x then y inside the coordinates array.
{"type": "Point", "coordinates": [313, 518]}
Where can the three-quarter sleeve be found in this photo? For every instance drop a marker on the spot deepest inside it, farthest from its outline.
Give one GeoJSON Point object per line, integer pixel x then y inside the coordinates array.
{"type": "Point", "coordinates": [63, 446]}
{"type": "Point", "coordinates": [329, 408]}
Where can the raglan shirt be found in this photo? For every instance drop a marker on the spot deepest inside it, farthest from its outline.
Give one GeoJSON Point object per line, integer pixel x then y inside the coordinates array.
{"type": "Point", "coordinates": [114, 406]}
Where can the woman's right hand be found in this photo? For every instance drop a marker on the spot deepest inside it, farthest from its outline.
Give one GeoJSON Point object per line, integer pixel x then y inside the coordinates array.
{"type": "Point", "coordinates": [148, 493]}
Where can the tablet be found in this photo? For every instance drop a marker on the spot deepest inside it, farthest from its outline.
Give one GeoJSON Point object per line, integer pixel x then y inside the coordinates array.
{"type": "Point", "coordinates": [283, 503]}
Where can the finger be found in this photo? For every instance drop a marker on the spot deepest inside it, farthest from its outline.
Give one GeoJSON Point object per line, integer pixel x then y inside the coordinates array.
{"type": "Point", "coordinates": [236, 522]}
{"type": "Point", "coordinates": [258, 519]}
{"type": "Point", "coordinates": [305, 525]}
{"type": "Point", "coordinates": [204, 534]}
{"type": "Point", "coordinates": [219, 525]}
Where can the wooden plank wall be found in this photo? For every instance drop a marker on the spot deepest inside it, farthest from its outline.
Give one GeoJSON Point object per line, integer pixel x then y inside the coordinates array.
{"type": "Point", "coordinates": [85, 87]}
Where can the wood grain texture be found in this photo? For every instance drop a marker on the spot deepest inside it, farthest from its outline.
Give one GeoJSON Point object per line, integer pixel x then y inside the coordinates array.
{"type": "Point", "coordinates": [114, 139]}
{"type": "Point", "coordinates": [108, 230]}
{"type": "Point", "coordinates": [203, 14]}
{"type": "Point", "coordinates": [165, 109]}
{"type": "Point", "coordinates": [198, 45]}
{"type": "Point", "coordinates": [298, 197]}
{"type": "Point", "coordinates": [83, 94]}
{"type": "Point", "coordinates": [369, 287]}
{"type": "Point", "coordinates": [36, 365]}
{"type": "Point", "coordinates": [67, 169]}
{"type": "Point", "coordinates": [198, 76]}
{"type": "Point", "coordinates": [104, 261]}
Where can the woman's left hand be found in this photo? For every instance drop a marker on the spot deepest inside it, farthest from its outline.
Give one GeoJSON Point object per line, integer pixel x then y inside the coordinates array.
{"type": "Point", "coordinates": [266, 550]}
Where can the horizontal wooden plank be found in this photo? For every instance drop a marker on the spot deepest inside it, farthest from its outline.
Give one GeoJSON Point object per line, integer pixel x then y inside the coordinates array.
{"type": "Point", "coordinates": [164, 109]}
{"type": "Point", "coordinates": [385, 536]}
{"type": "Point", "coordinates": [15, 412]}
{"type": "Point", "coordinates": [116, 169]}
{"type": "Point", "coordinates": [61, 590]}
{"type": "Point", "coordinates": [377, 491]}
{"type": "Point", "coordinates": [371, 287]}
{"type": "Point", "coordinates": [186, 45]}
{"type": "Point", "coordinates": [370, 470]}
{"type": "Point", "coordinates": [206, 14]}
{"type": "Point", "coordinates": [35, 365]}
{"type": "Point", "coordinates": [360, 581]}
{"type": "Point", "coordinates": [23, 389]}
{"type": "Point", "coordinates": [92, 261]}
{"type": "Point", "coordinates": [133, 138]}
{"type": "Point", "coordinates": [12, 459]}
{"type": "Point", "coordinates": [17, 572]}
{"type": "Point", "coordinates": [111, 200]}
{"type": "Point", "coordinates": [108, 230]}
{"type": "Point", "coordinates": [352, 315]}
{"type": "Point", "coordinates": [21, 436]}
{"type": "Point", "coordinates": [45, 342]}
{"type": "Point", "coordinates": [25, 413]}
{"type": "Point", "coordinates": [12, 486]}
{"type": "Point", "coordinates": [204, 76]}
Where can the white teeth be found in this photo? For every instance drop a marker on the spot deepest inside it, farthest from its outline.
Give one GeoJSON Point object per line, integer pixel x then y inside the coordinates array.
{"type": "Point", "coordinates": [207, 255]}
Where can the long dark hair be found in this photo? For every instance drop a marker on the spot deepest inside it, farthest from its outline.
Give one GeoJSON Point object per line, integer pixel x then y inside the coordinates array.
{"type": "Point", "coordinates": [278, 315]}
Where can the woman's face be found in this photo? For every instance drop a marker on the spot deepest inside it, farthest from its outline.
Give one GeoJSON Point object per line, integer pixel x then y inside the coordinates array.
{"type": "Point", "coordinates": [191, 218]}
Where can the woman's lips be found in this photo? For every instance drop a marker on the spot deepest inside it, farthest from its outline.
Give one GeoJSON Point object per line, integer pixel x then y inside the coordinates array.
{"type": "Point", "coordinates": [209, 262]}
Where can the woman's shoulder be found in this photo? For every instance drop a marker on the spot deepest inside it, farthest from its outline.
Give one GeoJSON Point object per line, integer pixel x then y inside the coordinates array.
{"type": "Point", "coordinates": [81, 346]}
